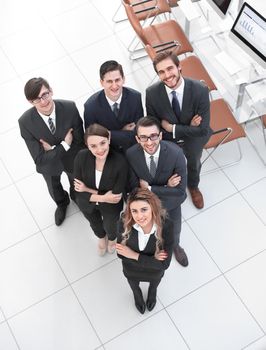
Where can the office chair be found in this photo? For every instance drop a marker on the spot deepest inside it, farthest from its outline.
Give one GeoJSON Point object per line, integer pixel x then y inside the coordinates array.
{"type": "Point", "coordinates": [162, 35]}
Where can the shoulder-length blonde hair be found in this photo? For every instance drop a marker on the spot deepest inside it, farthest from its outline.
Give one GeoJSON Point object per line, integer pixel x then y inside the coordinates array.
{"type": "Point", "coordinates": [158, 214]}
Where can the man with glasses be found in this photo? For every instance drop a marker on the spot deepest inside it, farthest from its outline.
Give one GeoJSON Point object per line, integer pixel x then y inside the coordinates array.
{"type": "Point", "coordinates": [182, 105]}
{"type": "Point", "coordinates": [160, 166]}
{"type": "Point", "coordinates": [53, 132]}
{"type": "Point", "coordinates": [115, 107]}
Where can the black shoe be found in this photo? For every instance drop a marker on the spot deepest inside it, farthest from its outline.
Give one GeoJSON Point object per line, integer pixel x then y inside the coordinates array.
{"type": "Point", "coordinates": [140, 306]}
{"type": "Point", "coordinates": [181, 256]}
{"type": "Point", "coordinates": [60, 215]}
{"type": "Point", "coordinates": [150, 304]}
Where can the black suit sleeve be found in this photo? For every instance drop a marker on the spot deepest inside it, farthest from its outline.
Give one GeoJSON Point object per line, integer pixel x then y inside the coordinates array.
{"type": "Point", "coordinates": [179, 191]}
{"type": "Point", "coordinates": [149, 261]}
{"type": "Point", "coordinates": [39, 155]}
{"type": "Point", "coordinates": [82, 197]}
{"type": "Point", "coordinates": [202, 109]}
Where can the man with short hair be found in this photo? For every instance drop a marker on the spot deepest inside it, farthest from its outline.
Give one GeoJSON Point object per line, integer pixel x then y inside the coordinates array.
{"type": "Point", "coordinates": [53, 132]}
{"type": "Point", "coordinates": [116, 107]}
{"type": "Point", "coordinates": [160, 166]}
{"type": "Point", "coordinates": [183, 108]}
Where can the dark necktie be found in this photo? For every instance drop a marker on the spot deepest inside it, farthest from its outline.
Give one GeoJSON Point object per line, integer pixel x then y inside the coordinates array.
{"type": "Point", "coordinates": [176, 106]}
{"type": "Point", "coordinates": [115, 109]}
{"type": "Point", "coordinates": [152, 166]}
{"type": "Point", "coordinates": [51, 125]}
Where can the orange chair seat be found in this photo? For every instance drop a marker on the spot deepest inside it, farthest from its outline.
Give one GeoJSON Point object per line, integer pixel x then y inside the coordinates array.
{"type": "Point", "coordinates": [222, 117]}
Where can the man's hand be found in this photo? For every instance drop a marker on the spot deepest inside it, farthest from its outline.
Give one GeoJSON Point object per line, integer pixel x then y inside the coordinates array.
{"type": "Point", "coordinates": [174, 180]}
{"type": "Point", "coordinates": [166, 125]}
{"type": "Point", "coordinates": [129, 126]}
{"type": "Point", "coordinates": [69, 137]}
{"type": "Point", "coordinates": [143, 184]}
{"type": "Point", "coordinates": [46, 145]}
{"type": "Point", "coordinates": [196, 120]}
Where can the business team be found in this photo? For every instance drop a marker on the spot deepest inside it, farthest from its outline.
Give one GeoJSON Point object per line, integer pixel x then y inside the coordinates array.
{"type": "Point", "coordinates": [145, 156]}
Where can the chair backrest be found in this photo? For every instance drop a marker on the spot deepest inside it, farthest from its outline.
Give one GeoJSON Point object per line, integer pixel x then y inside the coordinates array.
{"type": "Point", "coordinates": [191, 67]}
{"type": "Point", "coordinates": [148, 8]}
{"type": "Point", "coordinates": [134, 21]}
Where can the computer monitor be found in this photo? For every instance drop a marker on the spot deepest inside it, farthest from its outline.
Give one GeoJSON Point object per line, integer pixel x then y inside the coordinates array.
{"type": "Point", "coordinates": [249, 31]}
{"type": "Point", "coordinates": [220, 6]}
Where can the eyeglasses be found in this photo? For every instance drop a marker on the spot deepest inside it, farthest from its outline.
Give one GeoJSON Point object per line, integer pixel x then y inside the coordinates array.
{"type": "Point", "coordinates": [44, 97]}
{"type": "Point", "coordinates": [152, 137]}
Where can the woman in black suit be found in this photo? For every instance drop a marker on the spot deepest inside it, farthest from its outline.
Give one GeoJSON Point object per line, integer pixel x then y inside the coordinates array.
{"type": "Point", "coordinates": [100, 179]}
{"type": "Point", "coordinates": [144, 243]}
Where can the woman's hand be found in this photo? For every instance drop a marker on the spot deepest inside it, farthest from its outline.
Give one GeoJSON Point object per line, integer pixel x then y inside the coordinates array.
{"type": "Point", "coordinates": [161, 255]}
{"type": "Point", "coordinates": [126, 251]}
{"type": "Point", "coordinates": [81, 187]}
{"type": "Point", "coordinates": [110, 197]}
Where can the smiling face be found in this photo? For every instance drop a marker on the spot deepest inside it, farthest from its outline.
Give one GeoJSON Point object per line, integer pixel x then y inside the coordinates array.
{"type": "Point", "coordinates": [112, 84]}
{"type": "Point", "coordinates": [99, 146]}
{"type": "Point", "coordinates": [169, 73]}
{"type": "Point", "coordinates": [44, 102]}
{"type": "Point", "coordinates": [153, 137]}
{"type": "Point", "coordinates": [142, 214]}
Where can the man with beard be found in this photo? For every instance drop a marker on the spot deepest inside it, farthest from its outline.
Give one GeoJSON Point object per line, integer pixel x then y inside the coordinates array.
{"type": "Point", "coordinates": [182, 105]}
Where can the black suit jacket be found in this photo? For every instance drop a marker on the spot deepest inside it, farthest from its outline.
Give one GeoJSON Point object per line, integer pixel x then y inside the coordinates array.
{"type": "Point", "coordinates": [195, 101]}
{"type": "Point", "coordinates": [171, 161]}
{"type": "Point", "coordinates": [33, 128]}
{"type": "Point", "coordinates": [147, 268]}
{"type": "Point", "coordinates": [113, 178]}
{"type": "Point", "coordinates": [98, 110]}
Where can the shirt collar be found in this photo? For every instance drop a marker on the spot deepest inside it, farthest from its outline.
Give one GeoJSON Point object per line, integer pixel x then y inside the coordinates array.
{"type": "Point", "coordinates": [112, 102]}
{"type": "Point", "coordinates": [139, 229]}
{"type": "Point", "coordinates": [155, 155]}
{"type": "Point", "coordinates": [179, 90]}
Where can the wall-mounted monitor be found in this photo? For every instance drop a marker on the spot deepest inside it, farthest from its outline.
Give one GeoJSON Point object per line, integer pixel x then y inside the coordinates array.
{"type": "Point", "coordinates": [220, 6]}
{"type": "Point", "coordinates": [249, 31]}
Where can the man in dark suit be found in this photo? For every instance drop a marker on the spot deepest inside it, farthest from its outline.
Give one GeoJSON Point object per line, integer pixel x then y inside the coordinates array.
{"type": "Point", "coordinates": [160, 166]}
{"type": "Point", "coordinates": [53, 132]}
{"type": "Point", "coordinates": [116, 107]}
{"type": "Point", "coordinates": [182, 105]}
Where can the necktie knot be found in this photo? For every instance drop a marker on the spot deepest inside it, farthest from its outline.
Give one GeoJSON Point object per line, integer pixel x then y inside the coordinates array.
{"type": "Point", "coordinates": [51, 125]}
{"type": "Point", "coordinates": [152, 166]}
{"type": "Point", "coordinates": [115, 109]}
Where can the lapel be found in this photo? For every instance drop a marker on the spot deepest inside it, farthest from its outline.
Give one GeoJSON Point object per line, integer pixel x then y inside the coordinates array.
{"type": "Point", "coordinates": [142, 165]}
{"type": "Point", "coordinates": [133, 242]}
{"type": "Point", "coordinates": [107, 171]}
{"type": "Point", "coordinates": [163, 155]}
{"type": "Point", "coordinates": [39, 126]}
{"type": "Point", "coordinates": [186, 102]}
{"type": "Point", "coordinates": [109, 115]}
{"type": "Point", "coordinates": [165, 102]}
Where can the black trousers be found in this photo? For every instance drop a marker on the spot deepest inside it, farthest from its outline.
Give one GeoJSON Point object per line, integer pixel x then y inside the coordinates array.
{"type": "Point", "coordinates": [105, 223]}
{"type": "Point", "coordinates": [193, 148]}
{"type": "Point", "coordinates": [175, 216]}
{"type": "Point", "coordinates": [56, 190]}
{"type": "Point", "coordinates": [152, 291]}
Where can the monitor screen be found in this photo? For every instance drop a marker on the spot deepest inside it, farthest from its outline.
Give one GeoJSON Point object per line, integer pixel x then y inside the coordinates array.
{"type": "Point", "coordinates": [220, 6]}
{"type": "Point", "coordinates": [249, 31]}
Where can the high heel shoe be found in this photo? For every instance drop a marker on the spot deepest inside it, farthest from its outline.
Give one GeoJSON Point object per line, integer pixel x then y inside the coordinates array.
{"type": "Point", "coordinates": [102, 246]}
{"type": "Point", "coordinates": [150, 304]}
{"type": "Point", "coordinates": [151, 300]}
{"type": "Point", "coordinates": [139, 302]}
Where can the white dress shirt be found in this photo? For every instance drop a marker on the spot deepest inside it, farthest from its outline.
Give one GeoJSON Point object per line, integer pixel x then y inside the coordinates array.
{"type": "Point", "coordinates": [143, 238]}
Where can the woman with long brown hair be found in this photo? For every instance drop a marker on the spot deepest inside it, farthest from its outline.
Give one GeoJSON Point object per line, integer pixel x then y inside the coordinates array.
{"type": "Point", "coordinates": [144, 243]}
{"type": "Point", "coordinates": [100, 179]}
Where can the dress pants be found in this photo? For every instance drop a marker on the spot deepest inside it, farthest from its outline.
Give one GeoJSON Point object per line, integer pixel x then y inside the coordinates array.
{"type": "Point", "coordinates": [152, 291]}
{"type": "Point", "coordinates": [193, 147]}
{"type": "Point", "coordinates": [105, 223]}
{"type": "Point", "coordinates": [175, 216]}
{"type": "Point", "coordinates": [56, 190]}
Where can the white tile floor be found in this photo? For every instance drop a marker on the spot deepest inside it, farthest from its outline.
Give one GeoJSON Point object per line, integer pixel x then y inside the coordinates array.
{"type": "Point", "coordinates": [55, 292]}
